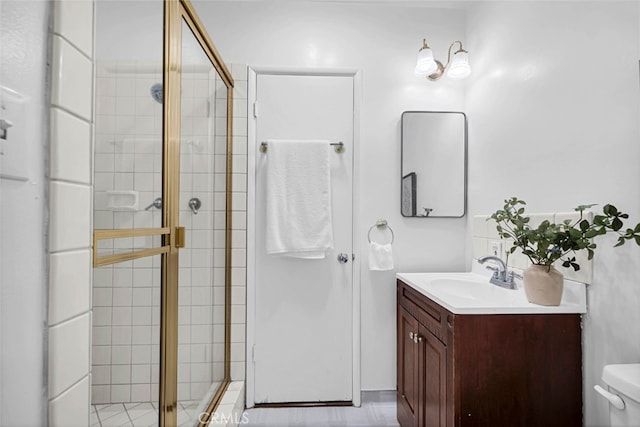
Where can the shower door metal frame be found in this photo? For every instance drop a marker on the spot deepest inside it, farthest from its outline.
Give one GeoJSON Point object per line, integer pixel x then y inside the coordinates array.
{"type": "Point", "coordinates": [177, 12]}
{"type": "Point", "coordinates": [172, 234]}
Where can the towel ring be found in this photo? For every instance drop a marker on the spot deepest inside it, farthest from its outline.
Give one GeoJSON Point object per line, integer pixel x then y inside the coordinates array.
{"type": "Point", "coordinates": [381, 224]}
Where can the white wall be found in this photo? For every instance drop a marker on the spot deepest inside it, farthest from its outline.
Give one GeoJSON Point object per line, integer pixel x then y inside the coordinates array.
{"type": "Point", "coordinates": [382, 41]}
{"type": "Point", "coordinates": [553, 119]}
{"type": "Point", "coordinates": [23, 29]}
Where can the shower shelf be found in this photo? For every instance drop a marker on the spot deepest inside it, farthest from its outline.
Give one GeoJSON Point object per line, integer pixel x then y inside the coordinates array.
{"type": "Point", "coordinates": [122, 200]}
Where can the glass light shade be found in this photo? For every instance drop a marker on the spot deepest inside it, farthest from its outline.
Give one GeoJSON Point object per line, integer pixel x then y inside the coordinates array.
{"type": "Point", "coordinates": [459, 67]}
{"type": "Point", "coordinates": [425, 64]}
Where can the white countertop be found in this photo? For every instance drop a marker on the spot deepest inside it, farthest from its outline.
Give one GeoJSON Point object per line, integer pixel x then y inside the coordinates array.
{"type": "Point", "coordinates": [471, 293]}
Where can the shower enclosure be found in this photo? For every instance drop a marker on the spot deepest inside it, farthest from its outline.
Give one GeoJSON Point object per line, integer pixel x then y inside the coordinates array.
{"type": "Point", "coordinates": [160, 348]}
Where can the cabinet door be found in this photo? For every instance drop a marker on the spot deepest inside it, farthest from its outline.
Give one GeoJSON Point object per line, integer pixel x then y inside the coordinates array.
{"type": "Point", "coordinates": [408, 368]}
{"type": "Point", "coordinates": [433, 380]}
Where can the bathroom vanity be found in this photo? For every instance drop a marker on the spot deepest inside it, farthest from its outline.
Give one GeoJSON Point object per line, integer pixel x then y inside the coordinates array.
{"type": "Point", "coordinates": [464, 362]}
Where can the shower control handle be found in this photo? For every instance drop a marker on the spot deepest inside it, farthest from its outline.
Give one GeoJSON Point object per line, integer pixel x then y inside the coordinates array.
{"type": "Point", "coordinates": [157, 203]}
{"type": "Point", "coordinates": [343, 258]}
{"type": "Point", "coordinates": [195, 204]}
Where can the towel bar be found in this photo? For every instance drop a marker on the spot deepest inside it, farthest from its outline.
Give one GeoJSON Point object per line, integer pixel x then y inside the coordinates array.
{"type": "Point", "coordinates": [381, 224]}
{"type": "Point", "coordinates": [337, 146]}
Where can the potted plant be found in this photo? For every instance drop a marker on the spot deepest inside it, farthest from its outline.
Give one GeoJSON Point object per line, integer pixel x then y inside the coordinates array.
{"type": "Point", "coordinates": [550, 242]}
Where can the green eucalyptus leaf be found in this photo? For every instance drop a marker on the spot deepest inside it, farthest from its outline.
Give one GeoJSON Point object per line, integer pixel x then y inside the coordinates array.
{"type": "Point", "coordinates": [616, 224]}
{"type": "Point", "coordinates": [591, 234]}
{"type": "Point", "coordinates": [585, 207]}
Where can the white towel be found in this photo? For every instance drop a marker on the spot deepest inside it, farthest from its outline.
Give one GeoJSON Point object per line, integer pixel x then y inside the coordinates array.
{"type": "Point", "coordinates": [380, 257]}
{"type": "Point", "coordinates": [298, 198]}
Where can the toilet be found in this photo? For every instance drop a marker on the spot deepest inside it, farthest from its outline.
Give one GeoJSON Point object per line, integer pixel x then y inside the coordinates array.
{"type": "Point", "coordinates": [623, 394]}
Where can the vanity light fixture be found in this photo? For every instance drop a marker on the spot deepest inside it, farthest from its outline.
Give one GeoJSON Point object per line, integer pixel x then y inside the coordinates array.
{"type": "Point", "coordinates": [456, 68]}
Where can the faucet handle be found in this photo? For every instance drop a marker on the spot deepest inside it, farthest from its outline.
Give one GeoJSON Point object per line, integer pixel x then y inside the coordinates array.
{"type": "Point", "coordinates": [515, 275]}
{"type": "Point", "coordinates": [492, 268]}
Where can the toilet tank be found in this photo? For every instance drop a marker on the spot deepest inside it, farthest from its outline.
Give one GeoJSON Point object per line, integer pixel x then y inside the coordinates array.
{"type": "Point", "coordinates": [623, 381]}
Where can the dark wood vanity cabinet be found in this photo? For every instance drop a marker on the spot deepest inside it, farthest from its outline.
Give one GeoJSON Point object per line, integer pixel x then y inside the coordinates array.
{"type": "Point", "coordinates": [488, 370]}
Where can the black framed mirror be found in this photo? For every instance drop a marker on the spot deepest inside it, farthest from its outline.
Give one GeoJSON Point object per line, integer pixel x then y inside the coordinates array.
{"type": "Point", "coordinates": [433, 164]}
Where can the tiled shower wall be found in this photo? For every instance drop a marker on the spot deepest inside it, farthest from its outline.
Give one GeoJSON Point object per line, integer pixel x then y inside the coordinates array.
{"type": "Point", "coordinates": [127, 295]}
{"type": "Point", "coordinates": [70, 213]}
{"type": "Point", "coordinates": [239, 224]}
{"type": "Point", "coordinates": [126, 317]}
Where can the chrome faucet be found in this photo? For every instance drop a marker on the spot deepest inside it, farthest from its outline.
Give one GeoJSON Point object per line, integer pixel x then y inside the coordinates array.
{"type": "Point", "coordinates": [501, 277]}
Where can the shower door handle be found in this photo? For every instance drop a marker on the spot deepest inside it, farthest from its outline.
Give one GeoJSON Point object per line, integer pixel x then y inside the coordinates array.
{"type": "Point", "coordinates": [180, 237]}
{"type": "Point", "coordinates": [343, 258]}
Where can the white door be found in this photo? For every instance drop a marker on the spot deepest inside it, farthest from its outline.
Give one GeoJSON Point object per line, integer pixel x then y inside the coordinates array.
{"type": "Point", "coordinates": [304, 308]}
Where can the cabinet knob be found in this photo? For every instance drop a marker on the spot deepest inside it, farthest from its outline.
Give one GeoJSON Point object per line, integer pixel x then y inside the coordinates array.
{"type": "Point", "coordinates": [410, 335]}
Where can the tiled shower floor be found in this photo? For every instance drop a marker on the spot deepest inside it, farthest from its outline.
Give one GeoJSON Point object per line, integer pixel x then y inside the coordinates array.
{"type": "Point", "coordinates": [139, 414]}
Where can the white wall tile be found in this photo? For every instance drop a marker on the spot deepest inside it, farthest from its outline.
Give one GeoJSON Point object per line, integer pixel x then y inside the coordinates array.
{"type": "Point", "coordinates": [101, 335]}
{"type": "Point", "coordinates": [72, 79]}
{"type": "Point", "coordinates": [142, 393]}
{"type": "Point", "coordinates": [240, 90]}
{"type": "Point", "coordinates": [120, 374]}
{"type": "Point", "coordinates": [100, 394]}
{"type": "Point", "coordinates": [70, 147]}
{"type": "Point", "coordinates": [101, 316]}
{"type": "Point", "coordinates": [100, 355]}
{"type": "Point", "coordinates": [491, 232]}
{"type": "Point", "coordinates": [479, 225]}
{"type": "Point", "coordinates": [69, 285]}
{"type": "Point", "coordinates": [479, 247]}
{"type": "Point", "coordinates": [70, 216]}
{"type": "Point", "coordinates": [238, 371]}
{"type": "Point", "coordinates": [121, 355]}
{"type": "Point", "coordinates": [74, 21]}
{"type": "Point", "coordinates": [121, 393]}
{"type": "Point", "coordinates": [121, 335]}
{"type": "Point", "coordinates": [71, 408]}
{"type": "Point", "coordinates": [518, 259]}
{"type": "Point", "coordinates": [68, 353]}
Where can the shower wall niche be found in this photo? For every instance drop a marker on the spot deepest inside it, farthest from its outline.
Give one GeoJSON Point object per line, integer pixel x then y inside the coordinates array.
{"type": "Point", "coordinates": [128, 194]}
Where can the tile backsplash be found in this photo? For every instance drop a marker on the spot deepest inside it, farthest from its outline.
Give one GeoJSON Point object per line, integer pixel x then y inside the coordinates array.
{"type": "Point", "coordinates": [485, 236]}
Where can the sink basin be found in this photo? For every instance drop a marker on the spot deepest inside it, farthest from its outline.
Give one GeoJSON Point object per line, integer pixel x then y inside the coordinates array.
{"type": "Point", "coordinates": [471, 293]}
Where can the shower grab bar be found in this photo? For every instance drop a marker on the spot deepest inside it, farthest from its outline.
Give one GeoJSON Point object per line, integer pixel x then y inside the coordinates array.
{"type": "Point", "coordinates": [337, 146]}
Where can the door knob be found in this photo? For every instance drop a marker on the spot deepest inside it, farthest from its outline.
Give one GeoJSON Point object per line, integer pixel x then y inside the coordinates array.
{"type": "Point", "coordinates": [343, 258]}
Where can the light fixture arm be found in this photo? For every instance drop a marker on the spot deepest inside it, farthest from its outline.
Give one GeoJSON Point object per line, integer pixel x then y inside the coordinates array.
{"type": "Point", "coordinates": [441, 68]}
{"type": "Point", "coordinates": [457, 51]}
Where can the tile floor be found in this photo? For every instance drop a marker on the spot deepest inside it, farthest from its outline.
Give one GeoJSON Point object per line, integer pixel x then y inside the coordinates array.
{"type": "Point", "coordinates": [378, 410]}
{"type": "Point", "coordinates": [139, 414]}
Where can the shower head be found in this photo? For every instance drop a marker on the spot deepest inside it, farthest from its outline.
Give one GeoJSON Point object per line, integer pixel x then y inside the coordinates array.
{"type": "Point", "coordinates": [157, 92]}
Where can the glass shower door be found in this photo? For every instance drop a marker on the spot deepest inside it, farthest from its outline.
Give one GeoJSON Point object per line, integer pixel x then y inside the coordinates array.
{"type": "Point", "coordinates": [202, 203]}
{"type": "Point", "coordinates": [128, 225]}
